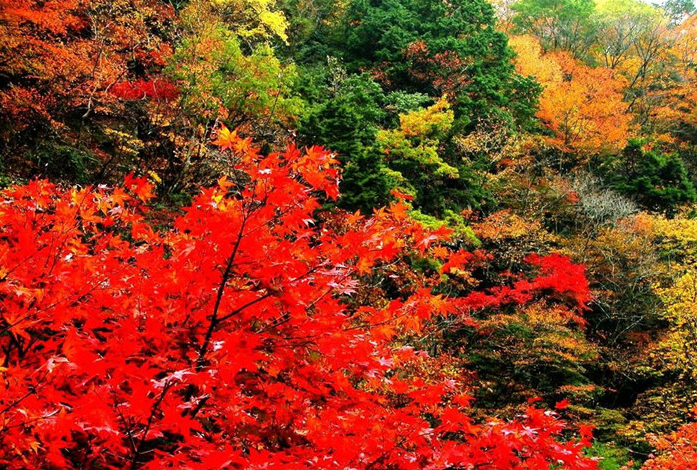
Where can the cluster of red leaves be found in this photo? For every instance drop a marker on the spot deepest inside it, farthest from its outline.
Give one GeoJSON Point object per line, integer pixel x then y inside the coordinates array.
{"type": "Point", "coordinates": [157, 90]}
{"type": "Point", "coordinates": [558, 278]}
{"type": "Point", "coordinates": [225, 341]}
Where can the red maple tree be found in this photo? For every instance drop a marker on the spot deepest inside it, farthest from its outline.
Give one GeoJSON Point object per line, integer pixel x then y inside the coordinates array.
{"type": "Point", "coordinates": [227, 337]}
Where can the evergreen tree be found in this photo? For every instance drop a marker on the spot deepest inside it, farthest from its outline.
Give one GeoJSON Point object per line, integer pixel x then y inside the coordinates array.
{"type": "Point", "coordinates": [439, 48]}
{"type": "Point", "coordinates": [656, 180]}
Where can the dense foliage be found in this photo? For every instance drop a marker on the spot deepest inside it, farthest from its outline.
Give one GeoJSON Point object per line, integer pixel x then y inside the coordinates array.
{"type": "Point", "coordinates": [348, 234]}
{"type": "Point", "coordinates": [237, 338]}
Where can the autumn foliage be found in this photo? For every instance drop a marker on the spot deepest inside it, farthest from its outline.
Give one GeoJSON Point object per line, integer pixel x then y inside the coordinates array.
{"type": "Point", "coordinates": [64, 56]}
{"type": "Point", "coordinates": [227, 337]}
{"type": "Point", "coordinates": [677, 450]}
{"type": "Point", "coordinates": [581, 105]}
{"type": "Point", "coordinates": [157, 90]}
{"type": "Point", "coordinates": [438, 235]}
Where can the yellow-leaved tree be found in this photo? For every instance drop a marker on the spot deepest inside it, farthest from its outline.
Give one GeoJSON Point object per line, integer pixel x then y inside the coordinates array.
{"type": "Point", "coordinates": [670, 361]}
{"type": "Point", "coordinates": [255, 18]}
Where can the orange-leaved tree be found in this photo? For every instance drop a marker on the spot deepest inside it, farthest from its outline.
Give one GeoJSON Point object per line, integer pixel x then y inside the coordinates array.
{"type": "Point", "coordinates": [674, 451]}
{"type": "Point", "coordinates": [675, 113]}
{"type": "Point", "coordinates": [63, 64]}
{"type": "Point", "coordinates": [581, 105]}
{"type": "Point", "coordinates": [62, 57]}
{"type": "Point", "coordinates": [230, 337]}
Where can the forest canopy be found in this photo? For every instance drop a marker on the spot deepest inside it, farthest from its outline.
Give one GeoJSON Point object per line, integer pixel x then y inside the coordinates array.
{"type": "Point", "coordinates": [348, 234]}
